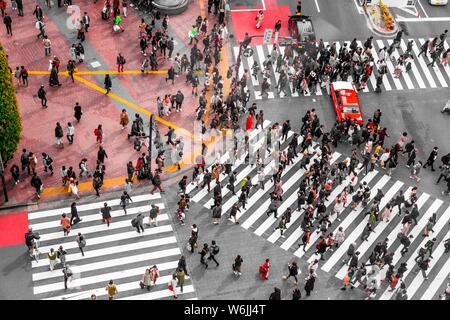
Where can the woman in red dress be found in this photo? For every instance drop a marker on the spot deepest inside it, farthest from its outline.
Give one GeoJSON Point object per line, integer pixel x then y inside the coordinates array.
{"type": "Point", "coordinates": [264, 270]}
{"type": "Point", "coordinates": [249, 123]}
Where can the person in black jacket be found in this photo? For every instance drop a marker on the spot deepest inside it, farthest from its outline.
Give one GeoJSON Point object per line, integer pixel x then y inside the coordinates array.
{"type": "Point", "coordinates": [171, 75]}
{"type": "Point", "coordinates": [309, 285]}
{"type": "Point", "coordinates": [108, 84]}
{"type": "Point", "coordinates": [59, 133]}
{"type": "Point", "coordinates": [37, 184]}
{"type": "Point", "coordinates": [276, 294]}
{"type": "Point", "coordinates": [101, 155]}
{"type": "Point", "coordinates": [74, 217]}
{"type": "Point", "coordinates": [293, 272]}
{"type": "Point", "coordinates": [8, 23]}
{"type": "Point", "coordinates": [182, 265]}
{"type": "Point", "coordinates": [296, 294]}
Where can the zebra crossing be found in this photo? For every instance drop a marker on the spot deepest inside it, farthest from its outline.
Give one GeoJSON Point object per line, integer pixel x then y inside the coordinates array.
{"type": "Point", "coordinates": [420, 76]}
{"type": "Point", "coordinates": [117, 252]}
{"type": "Point", "coordinates": [254, 219]}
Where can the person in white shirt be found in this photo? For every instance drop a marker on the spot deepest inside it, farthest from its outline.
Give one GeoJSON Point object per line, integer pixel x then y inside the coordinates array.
{"type": "Point", "coordinates": [70, 130]}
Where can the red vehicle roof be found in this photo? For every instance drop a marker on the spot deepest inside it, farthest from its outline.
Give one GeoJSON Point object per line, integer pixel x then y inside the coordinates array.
{"type": "Point", "coordinates": [348, 98]}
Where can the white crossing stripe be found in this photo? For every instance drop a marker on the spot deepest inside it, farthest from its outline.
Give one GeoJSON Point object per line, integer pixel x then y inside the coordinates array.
{"type": "Point", "coordinates": [287, 203]}
{"type": "Point", "coordinates": [405, 74]}
{"type": "Point", "coordinates": [90, 206]}
{"type": "Point", "coordinates": [379, 230]}
{"type": "Point", "coordinates": [159, 294]}
{"type": "Point", "coordinates": [108, 250]}
{"type": "Point", "coordinates": [263, 208]}
{"type": "Point", "coordinates": [109, 263]}
{"type": "Point", "coordinates": [94, 229]}
{"type": "Point", "coordinates": [418, 280]}
{"type": "Point", "coordinates": [436, 69]}
{"type": "Point", "coordinates": [113, 237]}
{"type": "Point", "coordinates": [415, 232]}
{"type": "Point", "coordinates": [103, 278]}
{"type": "Point", "coordinates": [251, 61]}
{"type": "Point", "coordinates": [416, 72]}
{"type": "Point", "coordinates": [424, 67]}
{"type": "Point", "coordinates": [372, 76]}
{"type": "Point", "coordinates": [446, 67]}
{"type": "Point", "coordinates": [437, 282]}
{"type": "Point", "coordinates": [398, 84]}
{"type": "Point", "coordinates": [244, 172]}
{"type": "Point", "coordinates": [251, 135]}
{"type": "Point", "coordinates": [96, 217]}
{"type": "Point", "coordinates": [386, 84]}
{"type": "Point", "coordinates": [356, 233]}
{"type": "Point", "coordinates": [289, 242]}
{"type": "Point", "coordinates": [241, 68]}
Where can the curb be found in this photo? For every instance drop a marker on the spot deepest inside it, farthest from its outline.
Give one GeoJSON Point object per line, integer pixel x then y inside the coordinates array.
{"type": "Point", "coordinates": [375, 28]}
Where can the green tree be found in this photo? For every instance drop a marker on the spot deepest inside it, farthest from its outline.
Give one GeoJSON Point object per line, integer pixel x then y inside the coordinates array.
{"type": "Point", "coordinates": [10, 121]}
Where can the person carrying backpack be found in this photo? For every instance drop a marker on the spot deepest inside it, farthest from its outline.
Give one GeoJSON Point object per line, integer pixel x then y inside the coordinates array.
{"type": "Point", "coordinates": [138, 223]}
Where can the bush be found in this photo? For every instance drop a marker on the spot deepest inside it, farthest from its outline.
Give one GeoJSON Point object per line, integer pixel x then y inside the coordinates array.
{"type": "Point", "coordinates": [10, 122]}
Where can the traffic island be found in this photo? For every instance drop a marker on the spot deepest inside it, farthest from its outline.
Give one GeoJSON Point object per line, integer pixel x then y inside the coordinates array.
{"type": "Point", "coordinates": [171, 7]}
{"type": "Point", "coordinates": [381, 19]}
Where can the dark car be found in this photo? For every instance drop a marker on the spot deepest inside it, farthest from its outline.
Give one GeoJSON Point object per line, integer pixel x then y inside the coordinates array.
{"type": "Point", "coordinates": [301, 31]}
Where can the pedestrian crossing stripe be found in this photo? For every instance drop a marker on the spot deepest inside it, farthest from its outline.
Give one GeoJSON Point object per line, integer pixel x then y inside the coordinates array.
{"type": "Point", "coordinates": [252, 134]}
{"type": "Point", "coordinates": [421, 76]}
{"type": "Point", "coordinates": [413, 287]}
{"type": "Point", "coordinates": [118, 252]}
{"type": "Point", "coordinates": [381, 226]}
{"type": "Point", "coordinates": [94, 217]}
{"type": "Point", "coordinates": [90, 206]}
{"type": "Point", "coordinates": [244, 173]}
{"type": "Point", "coordinates": [352, 223]}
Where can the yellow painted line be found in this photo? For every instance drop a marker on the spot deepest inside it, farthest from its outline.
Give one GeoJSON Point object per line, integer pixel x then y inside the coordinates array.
{"type": "Point", "coordinates": [202, 6]}
{"type": "Point", "coordinates": [100, 72]}
{"type": "Point", "coordinates": [135, 107]}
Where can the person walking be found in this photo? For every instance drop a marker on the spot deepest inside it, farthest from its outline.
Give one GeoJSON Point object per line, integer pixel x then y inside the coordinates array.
{"type": "Point", "coordinates": [146, 280]}
{"type": "Point", "coordinates": [47, 162]}
{"type": "Point", "coordinates": [124, 200]}
{"type": "Point", "coordinates": [213, 252]}
{"type": "Point", "coordinates": [59, 133]}
{"type": "Point", "coordinates": [156, 181]}
{"type": "Point", "coordinates": [42, 95]}
{"type": "Point", "coordinates": [81, 241]}
{"type": "Point", "coordinates": [154, 274]}
{"type": "Point", "coordinates": [97, 184]}
{"type": "Point", "coordinates": [61, 255]}
{"type": "Point", "coordinates": [309, 285]}
{"type": "Point", "coordinates": [154, 212]}
{"type": "Point", "coordinates": [203, 254]}
{"type": "Point", "coordinates": [181, 276]}
{"type": "Point", "coordinates": [120, 60]}
{"type": "Point", "coordinates": [111, 289]}
{"type": "Point", "coordinates": [77, 111]}
{"type": "Point", "coordinates": [172, 285]}
{"type": "Point", "coordinates": [65, 223]}
{"type": "Point", "coordinates": [259, 19]}
{"type": "Point", "coordinates": [37, 184]}
{"type": "Point", "coordinates": [264, 270]}
{"type": "Point", "coordinates": [124, 120]}
{"type": "Point", "coordinates": [293, 272]}
{"type": "Point", "coordinates": [8, 24]}
{"type": "Point", "coordinates": [276, 294]}
{"type": "Point", "coordinates": [47, 45]}
{"type": "Point", "coordinates": [70, 131]}
{"type": "Point", "coordinates": [74, 217]}
{"type": "Point", "coordinates": [52, 258]}
{"type": "Point", "coordinates": [138, 222]}
{"type": "Point", "coordinates": [431, 158]}
{"type": "Point", "coordinates": [108, 84]}
{"type": "Point", "coordinates": [67, 275]}
{"type": "Point", "coordinates": [106, 213]}
{"type": "Point", "coordinates": [237, 265]}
